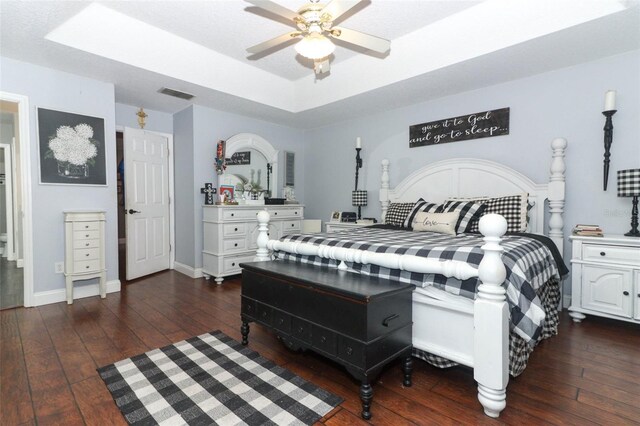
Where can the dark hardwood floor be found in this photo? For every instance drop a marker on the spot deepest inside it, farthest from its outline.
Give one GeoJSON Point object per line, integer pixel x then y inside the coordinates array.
{"type": "Point", "coordinates": [589, 374]}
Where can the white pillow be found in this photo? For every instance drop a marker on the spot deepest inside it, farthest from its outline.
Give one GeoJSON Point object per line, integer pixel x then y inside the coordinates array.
{"type": "Point", "coordinates": [442, 223]}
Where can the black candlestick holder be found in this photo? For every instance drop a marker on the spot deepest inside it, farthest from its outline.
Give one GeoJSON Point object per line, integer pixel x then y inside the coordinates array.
{"type": "Point", "coordinates": [608, 139]}
{"type": "Point", "coordinates": [358, 165]}
{"type": "Point", "coordinates": [634, 219]}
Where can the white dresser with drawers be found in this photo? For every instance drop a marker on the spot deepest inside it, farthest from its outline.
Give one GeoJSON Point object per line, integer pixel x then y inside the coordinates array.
{"type": "Point", "coordinates": [605, 277]}
{"type": "Point", "coordinates": [84, 255]}
{"type": "Point", "coordinates": [230, 234]}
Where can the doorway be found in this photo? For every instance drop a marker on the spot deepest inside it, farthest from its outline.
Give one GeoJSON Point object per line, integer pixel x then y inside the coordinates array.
{"type": "Point", "coordinates": [16, 269]}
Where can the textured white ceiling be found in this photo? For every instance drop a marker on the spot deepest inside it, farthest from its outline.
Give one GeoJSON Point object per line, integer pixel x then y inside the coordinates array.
{"type": "Point", "coordinates": [228, 27]}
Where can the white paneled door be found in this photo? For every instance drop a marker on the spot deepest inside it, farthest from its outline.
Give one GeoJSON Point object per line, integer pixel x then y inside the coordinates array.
{"type": "Point", "coordinates": [146, 191]}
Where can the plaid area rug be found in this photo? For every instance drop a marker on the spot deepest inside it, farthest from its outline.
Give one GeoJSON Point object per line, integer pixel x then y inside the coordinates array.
{"type": "Point", "coordinates": [212, 379]}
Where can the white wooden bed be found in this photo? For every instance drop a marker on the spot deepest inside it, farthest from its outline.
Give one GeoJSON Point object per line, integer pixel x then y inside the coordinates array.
{"type": "Point", "coordinates": [472, 333]}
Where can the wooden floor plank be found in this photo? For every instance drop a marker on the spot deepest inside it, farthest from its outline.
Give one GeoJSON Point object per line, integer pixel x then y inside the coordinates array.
{"type": "Point", "coordinates": [588, 374]}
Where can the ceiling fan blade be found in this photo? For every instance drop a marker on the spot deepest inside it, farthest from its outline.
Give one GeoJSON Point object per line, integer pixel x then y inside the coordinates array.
{"type": "Point", "coordinates": [358, 38]}
{"type": "Point", "coordinates": [336, 8]}
{"type": "Point", "coordinates": [272, 7]}
{"type": "Point", "coordinates": [273, 42]}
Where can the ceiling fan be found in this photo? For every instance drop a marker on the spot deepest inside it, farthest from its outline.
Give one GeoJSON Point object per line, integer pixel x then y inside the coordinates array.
{"type": "Point", "coordinates": [314, 23]}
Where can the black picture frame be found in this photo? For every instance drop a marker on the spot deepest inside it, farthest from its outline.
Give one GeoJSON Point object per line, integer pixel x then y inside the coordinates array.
{"type": "Point", "coordinates": [79, 139]}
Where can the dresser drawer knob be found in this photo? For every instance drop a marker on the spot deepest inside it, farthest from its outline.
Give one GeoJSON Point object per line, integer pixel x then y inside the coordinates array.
{"type": "Point", "coordinates": [87, 235]}
{"type": "Point", "coordinates": [293, 224]}
{"type": "Point", "coordinates": [264, 314]}
{"type": "Point", "coordinates": [300, 329]}
{"type": "Point", "coordinates": [233, 214]}
{"type": "Point", "coordinates": [235, 245]}
{"type": "Point", "coordinates": [235, 229]}
{"type": "Point", "coordinates": [233, 264]}
{"type": "Point", "coordinates": [603, 253]}
{"type": "Point", "coordinates": [296, 212]}
{"type": "Point", "coordinates": [275, 213]}
{"type": "Point", "coordinates": [280, 321]}
{"type": "Point", "coordinates": [87, 244]}
{"type": "Point", "coordinates": [87, 255]}
{"type": "Point", "coordinates": [87, 266]}
{"type": "Point", "coordinates": [323, 339]}
{"type": "Point", "coordinates": [86, 227]}
{"type": "Point", "coordinates": [349, 350]}
{"type": "Point", "coordinates": [626, 293]}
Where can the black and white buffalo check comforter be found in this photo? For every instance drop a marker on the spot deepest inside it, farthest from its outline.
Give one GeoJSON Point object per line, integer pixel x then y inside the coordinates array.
{"type": "Point", "coordinates": [529, 265]}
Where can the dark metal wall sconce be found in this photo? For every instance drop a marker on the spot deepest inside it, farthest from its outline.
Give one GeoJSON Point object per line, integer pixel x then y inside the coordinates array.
{"type": "Point", "coordinates": [609, 110]}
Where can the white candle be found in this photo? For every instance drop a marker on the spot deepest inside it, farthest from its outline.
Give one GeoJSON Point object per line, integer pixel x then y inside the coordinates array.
{"type": "Point", "coordinates": [610, 100]}
{"type": "Point", "coordinates": [358, 142]}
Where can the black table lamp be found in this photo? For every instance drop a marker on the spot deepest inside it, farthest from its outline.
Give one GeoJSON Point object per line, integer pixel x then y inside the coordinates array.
{"type": "Point", "coordinates": [629, 186]}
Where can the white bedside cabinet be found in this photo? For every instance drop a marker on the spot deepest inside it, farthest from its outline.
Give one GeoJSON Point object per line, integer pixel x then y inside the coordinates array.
{"type": "Point", "coordinates": [343, 226]}
{"type": "Point", "coordinates": [84, 254]}
{"type": "Point", "coordinates": [605, 277]}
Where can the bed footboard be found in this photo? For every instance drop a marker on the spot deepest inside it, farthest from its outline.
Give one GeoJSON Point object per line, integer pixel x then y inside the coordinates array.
{"type": "Point", "coordinates": [490, 347]}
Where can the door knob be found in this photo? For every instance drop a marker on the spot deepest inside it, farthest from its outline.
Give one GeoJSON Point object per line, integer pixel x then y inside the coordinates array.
{"type": "Point", "coordinates": [132, 211]}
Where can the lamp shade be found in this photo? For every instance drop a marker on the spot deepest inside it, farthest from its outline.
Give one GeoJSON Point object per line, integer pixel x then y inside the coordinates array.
{"type": "Point", "coordinates": [359, 198]}
{"type": "Point", "coordinates": [315, 46]}
{"type": "Point", "coordinates": [629, 183]}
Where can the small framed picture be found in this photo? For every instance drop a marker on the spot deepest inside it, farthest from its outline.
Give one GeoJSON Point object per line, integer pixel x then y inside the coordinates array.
{"type": "Point", "coordinates": [336, 216]}
{"type": "Point", "coordinates": [227, 191]}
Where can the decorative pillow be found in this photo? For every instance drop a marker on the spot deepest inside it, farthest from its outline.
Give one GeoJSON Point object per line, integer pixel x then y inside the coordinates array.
{"type": "Point", "coordinates": [514, 209]}
{"type": "Point", "coordinates": [397, 213]}
{"type": "Point", "coordinates": [443, 223]}
{"type": "Point", "coordinates": [469, 211]}
{"type": "Point", "coordinates": [420, 206]}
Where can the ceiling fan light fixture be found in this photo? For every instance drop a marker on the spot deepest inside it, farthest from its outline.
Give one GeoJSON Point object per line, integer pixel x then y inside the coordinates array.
{"type": "Point", "coordinates": [315, 46]}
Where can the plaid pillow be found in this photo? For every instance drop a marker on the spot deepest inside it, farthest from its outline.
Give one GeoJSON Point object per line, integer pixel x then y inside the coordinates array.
{"type": "Point", "coordinates": [397, 213]}
{"type": "Point", "coordinates": [420, 206]}
{"type": "Point", "coordinates": [469, 211]}
{"type": "Point", "coordinates": [513, 207]}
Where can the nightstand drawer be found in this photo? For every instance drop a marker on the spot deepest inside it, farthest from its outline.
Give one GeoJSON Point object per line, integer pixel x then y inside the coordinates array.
{"type": "Point", "coordinates": [290, 226]}
{"type": "Point", "coordinates": [602, 253]}
{"type": "Point", "coordinates": [86, 226]}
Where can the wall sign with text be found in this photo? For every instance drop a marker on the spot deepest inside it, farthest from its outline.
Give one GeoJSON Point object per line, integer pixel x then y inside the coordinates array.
{"type": "Point", "coordinates": [472, 126]}
{"type": "Point", "coordinates": [239, 159]}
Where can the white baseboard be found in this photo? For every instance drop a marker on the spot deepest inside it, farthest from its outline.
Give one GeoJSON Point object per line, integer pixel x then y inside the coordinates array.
{"type": "Point", "coordinates": [79, 292]}
{"type": "Point", "coordinates": [187, 270]}
{"type": "Point", "coordinates": [20, 263]}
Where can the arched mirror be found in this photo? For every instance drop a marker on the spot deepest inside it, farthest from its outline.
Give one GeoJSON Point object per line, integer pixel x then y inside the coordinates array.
{"type": "Point", "coordinates": [252, 162]}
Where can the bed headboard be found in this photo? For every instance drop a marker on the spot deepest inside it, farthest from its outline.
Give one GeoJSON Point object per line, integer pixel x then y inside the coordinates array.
{"type": "Point", "coordinates": [469, 177]}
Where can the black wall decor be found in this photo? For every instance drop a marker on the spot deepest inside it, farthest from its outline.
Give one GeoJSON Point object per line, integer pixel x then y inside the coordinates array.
{"type": "Point", "coordinates": [472, 126]}
{"type": "Point", "coordinates": [239, 159]}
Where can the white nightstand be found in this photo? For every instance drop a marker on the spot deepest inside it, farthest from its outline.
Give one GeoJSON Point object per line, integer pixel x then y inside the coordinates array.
{"type": "Point", "coordinates": [605, 277]}
{"type": "Point", "coordinates": [343, 226]}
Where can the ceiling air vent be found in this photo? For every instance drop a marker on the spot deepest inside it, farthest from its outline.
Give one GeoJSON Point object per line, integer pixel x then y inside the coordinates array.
{"type": "Point", "coordinates": [176, 93]}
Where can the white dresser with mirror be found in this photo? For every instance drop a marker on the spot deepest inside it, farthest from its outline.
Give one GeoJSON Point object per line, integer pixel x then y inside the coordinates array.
{"type": "Point", "coordinates": [230, 231]}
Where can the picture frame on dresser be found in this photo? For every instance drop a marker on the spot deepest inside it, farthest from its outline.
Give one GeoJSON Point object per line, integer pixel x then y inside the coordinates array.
{"type": "Point", "coordinates": [335, 216]}
{"type": "Point", "coordinates": [71, 148]}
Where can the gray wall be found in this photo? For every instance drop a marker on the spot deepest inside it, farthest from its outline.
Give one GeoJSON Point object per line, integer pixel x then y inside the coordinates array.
{"type": "Point", "coordinates": [66, 92]}
{"type": "Point", "coordinates": [564, 103]}
{"type": "Point", "coordinates": [196, 165]}
{"type": "Point", "coordinates": [183, 186]}
{"type": "Point", "coordinates": [156, 121]}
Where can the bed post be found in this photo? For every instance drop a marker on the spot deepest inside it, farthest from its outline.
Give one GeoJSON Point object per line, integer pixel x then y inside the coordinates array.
{"type": "Point", "coordinates": [384, 189]}
{"type": "Point", "coordinates": [262, 253]}
{"type": "Point", "coordinates": [556, 193]}
{"type": "Point", "coordinates": [491, 313]}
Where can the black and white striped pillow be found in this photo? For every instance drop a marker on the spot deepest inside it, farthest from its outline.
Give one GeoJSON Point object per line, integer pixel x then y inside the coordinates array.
{"type": "Point", "coordinates": [420, 206]}
{"type": "Point", "coordinates": [470, 211]}
{"type": "Point", "coordinates": [397, 213]}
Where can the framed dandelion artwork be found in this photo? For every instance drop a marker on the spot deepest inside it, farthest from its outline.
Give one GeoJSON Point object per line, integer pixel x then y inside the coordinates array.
{"type": "Point", "coordinates": [72, 148]}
